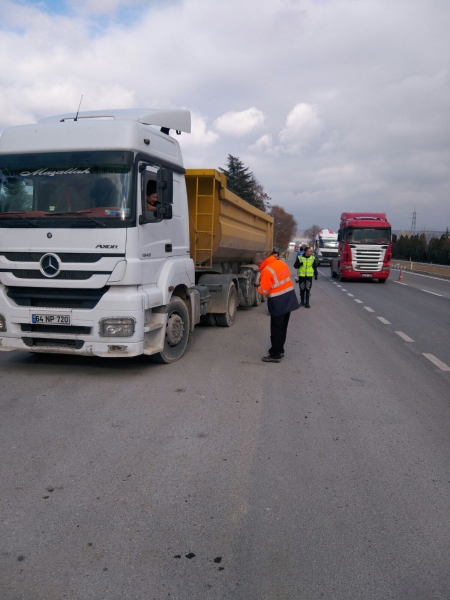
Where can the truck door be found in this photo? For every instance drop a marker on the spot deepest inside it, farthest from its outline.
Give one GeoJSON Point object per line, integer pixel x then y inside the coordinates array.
{"type": "Point", "coordinates": [159, 238]}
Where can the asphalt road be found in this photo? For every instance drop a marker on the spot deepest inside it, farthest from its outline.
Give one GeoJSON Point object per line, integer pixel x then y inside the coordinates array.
{"type": "Point", "coordinates": [326, 476]}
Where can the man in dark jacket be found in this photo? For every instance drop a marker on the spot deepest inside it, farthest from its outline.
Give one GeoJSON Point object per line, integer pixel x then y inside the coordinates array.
{"type": "Point", "coordinates": [307, 269]}
{"type": "Point", "coordinates": [276, 284]}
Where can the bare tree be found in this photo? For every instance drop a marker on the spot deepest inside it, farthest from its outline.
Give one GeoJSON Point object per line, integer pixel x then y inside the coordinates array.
{"type": "Point", "coordinates": [311, 232]}
{"type": "Point", "coordinates": [283, 227]}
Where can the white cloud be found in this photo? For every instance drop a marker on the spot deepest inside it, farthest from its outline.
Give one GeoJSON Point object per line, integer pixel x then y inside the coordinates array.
{"type": "Point", "coordinates": [263, 144]}
{"type": "Point", "coordinates": [241, 123]}
{"type": "Point", "coordinates": [200, 137]}
{"type": "Point", "coordinates": [302, 127]}
{"type": "Point", "coordinates": [372, 78]}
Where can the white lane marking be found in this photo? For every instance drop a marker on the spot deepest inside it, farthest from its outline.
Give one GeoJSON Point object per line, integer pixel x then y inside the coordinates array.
{"type": "Point", "coordinates": [434, 293]}
{"type": "Point", "coordinates": [383, 320]}
{"type": "Point", "coordinates": [342, 290]}
{"type": "Point", "coordinates": [401, 283]}
{"type": "Point", "coordinates": [422, 275]}
{"type": "Point", "coordinates": [437, 362]}
{"type": "Point", "coordinates": [350, 295]}
{"type": "Point", "coordinates": [404, 336]}
{"type": "Point", "coordinates": [339, 285]}
{"type": "Point", "coordinates": [369, 309]}
{"type": "Point", "coordinates": [358, 301]}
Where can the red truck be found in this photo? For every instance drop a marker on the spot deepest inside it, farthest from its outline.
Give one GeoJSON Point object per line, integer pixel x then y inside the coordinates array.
{"type": "Point", "coordinates": [365, 247]}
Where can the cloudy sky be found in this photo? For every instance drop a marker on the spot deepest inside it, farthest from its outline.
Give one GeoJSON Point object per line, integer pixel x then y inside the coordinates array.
{"type": "Point", "coordinates": [333, 104]}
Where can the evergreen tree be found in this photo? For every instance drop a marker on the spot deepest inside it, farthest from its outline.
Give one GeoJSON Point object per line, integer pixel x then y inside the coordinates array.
{"type": "Point", "coordinates": [240, 180]}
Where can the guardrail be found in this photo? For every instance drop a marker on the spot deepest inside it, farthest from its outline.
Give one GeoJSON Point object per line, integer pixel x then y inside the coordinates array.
{"type": "Point", "coordinates": [441, 271]}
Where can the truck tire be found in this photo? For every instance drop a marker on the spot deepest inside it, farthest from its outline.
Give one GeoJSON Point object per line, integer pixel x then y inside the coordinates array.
{"type": "Point", "coordinates": [247, 287]}
{"type": "Point", "coordinates": [177, 332]}
{"type": "Point", "coordinates": [227, 318]}
{"type": "Point", "coordinates": [258, 299]}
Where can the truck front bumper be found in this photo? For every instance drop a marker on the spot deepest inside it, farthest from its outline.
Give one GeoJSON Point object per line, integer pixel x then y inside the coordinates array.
{"type": "Point", "coordinates": [83, 335]}
{"type": "Point", "coordinates": [351, 274]}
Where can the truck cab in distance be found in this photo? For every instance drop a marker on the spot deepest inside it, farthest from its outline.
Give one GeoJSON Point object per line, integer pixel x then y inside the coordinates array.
{"type": "Point", "coordinates": [365, 247]}
{"type": "Point", "coordinates": [325, 246]}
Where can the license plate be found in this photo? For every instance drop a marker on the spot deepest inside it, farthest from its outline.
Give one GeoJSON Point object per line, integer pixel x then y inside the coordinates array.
{"type": "Point", "coordinates": [51, 319]}
{"type": "Point", "coordinates": [366, 275]}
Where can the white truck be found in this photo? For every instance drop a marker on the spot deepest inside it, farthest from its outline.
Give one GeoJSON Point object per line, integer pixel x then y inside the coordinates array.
{"type": "Point", "coordinates": [326, 246]}
{"type": "Point", "coordinates": [88, 266]}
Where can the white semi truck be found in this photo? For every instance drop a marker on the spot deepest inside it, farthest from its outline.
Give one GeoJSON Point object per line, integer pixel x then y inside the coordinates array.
{"type": "Point", "coordinates": [326, 246]}
{"type": "Point", "coordinates": [88, 267]}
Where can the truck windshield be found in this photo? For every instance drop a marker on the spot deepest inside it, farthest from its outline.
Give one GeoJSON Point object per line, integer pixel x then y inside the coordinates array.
{"type": "Point", "coordinates": [327, 243]}
{"type": "Point", "coordinates": [67, 189]}
{"type": "Point", "coordinates": [368, 236]}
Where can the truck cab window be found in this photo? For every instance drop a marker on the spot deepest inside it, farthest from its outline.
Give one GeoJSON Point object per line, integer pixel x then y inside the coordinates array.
{"type": "Point", "coordinates": [151, 196]}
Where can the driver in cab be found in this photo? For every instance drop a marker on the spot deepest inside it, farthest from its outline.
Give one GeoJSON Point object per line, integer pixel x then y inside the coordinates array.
{"type": "Point", "coordinates": [151, 196]}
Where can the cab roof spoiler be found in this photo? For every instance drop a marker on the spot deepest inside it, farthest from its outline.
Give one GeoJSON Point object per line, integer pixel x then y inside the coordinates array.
{"type": "Point", "coordinates": [178, 119]}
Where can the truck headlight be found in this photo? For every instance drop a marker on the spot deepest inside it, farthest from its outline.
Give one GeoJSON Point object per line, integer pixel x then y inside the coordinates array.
{"type": "Point", "coordinates": [2, 323]}
{"type": "Point", "coordinates": [117, 327]}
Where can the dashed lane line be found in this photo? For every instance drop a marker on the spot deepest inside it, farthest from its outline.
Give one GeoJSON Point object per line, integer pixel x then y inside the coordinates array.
{"type": "Point", "coordinates": [401, 283]}
{"type": "Point", "coordinates": [383, 320]}
{"type": "Point", "coordinates": [437, 362]}
{"type": "Point", "coordinates": [404, 336]}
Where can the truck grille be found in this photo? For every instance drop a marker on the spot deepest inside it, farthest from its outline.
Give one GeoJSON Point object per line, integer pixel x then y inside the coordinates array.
{"type": "Point", "coordinates": [52, 343]}
{"type": "Point", "coordinates": [63, 275]}
{"type": "Point", "coordinates": [70, 329]}
{"type": "Point", "coordinates": [65, 257]}
{"type": "Point", "coordinates": [367, 259]}
{"type": "Point", "coordinates": [56, 297]}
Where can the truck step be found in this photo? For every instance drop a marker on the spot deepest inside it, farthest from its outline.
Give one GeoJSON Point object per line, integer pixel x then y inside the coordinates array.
{"type": "Point", "coordinates": [152, 326]}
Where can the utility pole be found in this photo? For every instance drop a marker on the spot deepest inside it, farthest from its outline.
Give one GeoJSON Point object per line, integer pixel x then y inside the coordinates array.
{"type": "Point", "coordinates": [413, 223]}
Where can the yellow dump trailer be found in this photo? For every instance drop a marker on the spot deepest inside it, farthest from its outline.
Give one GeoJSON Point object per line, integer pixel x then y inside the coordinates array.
{"type": "Point", "coordinates": [224, 229]}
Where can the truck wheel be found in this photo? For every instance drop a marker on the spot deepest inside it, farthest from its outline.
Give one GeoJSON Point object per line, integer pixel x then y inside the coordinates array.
{"type": "Point", "coordinates": [247, 287]}
{"type": "Point", "coordinates": [227, 318]}
{"type": "Point", "coordinates": [258, 299]}
{"type": "Point", "coordinates": [177, 332]}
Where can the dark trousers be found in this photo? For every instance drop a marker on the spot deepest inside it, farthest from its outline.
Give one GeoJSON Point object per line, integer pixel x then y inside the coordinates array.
{"type": "Point", "coordinates": [305, 284]}
{"type": "Point", "coordinates": [278, 330]}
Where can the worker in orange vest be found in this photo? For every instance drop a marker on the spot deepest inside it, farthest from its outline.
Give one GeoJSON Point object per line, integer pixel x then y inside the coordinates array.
{"type": "Point", "coordinates": [276, 284]}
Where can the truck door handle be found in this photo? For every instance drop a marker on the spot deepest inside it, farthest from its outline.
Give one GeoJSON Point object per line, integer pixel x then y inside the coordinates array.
{"type": "Point", "coordinates": [168, 247]}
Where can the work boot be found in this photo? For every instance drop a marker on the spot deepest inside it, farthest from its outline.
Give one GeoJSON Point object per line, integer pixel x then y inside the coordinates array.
{"type": "Point", "coordinates": [271, 359]}
{"type": "Point", "coordinates": [307, 305]}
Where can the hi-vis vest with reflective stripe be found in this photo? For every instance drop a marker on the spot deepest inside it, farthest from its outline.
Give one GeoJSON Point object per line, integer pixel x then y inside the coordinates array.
{"type": "Point", "coordinates": [306, 266]}
{"type": "Point", "coordinates": [275, 278]}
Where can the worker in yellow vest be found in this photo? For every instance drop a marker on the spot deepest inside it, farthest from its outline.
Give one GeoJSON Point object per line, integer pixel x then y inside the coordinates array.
{"type": "Point", "coordinates": [307, 269]}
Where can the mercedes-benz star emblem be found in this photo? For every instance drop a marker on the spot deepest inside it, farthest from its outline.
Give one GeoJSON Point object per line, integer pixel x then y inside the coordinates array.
{"type": "Point", "coordinates": [50, 265]}
{"type": "Point", "coordinates": [49, 235]}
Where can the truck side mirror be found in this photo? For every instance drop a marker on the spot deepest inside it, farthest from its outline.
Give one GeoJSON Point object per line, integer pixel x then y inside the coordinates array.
{"type": "Point", "coordinates": [339, 236]}
{"type": "Point", "coordinates": [394, 238]}
{"type": "Point", "coordinates": [165, 186]}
